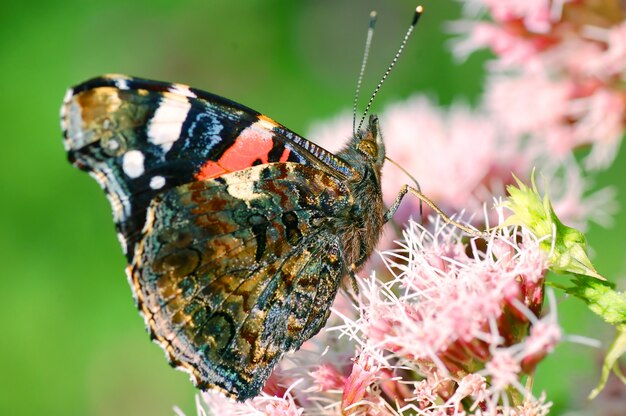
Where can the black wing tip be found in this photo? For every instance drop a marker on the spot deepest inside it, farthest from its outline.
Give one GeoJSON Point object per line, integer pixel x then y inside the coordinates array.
{"type": "Point", "coordinates": [122, 82]}
{"type": "Point", "coordinates": [106, 80]}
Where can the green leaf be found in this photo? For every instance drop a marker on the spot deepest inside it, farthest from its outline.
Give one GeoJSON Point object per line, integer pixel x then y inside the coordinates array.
{"type": "Point", "coordinates": [617, 348]}
{"type": "Point", "coordinates": [601, 298]}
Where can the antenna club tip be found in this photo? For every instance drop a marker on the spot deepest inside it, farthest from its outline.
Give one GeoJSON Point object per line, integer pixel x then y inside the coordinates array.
{"type": "Point", "coordinates": [373, 15]}
{"type": "Point", "coordinates": [418, 12]}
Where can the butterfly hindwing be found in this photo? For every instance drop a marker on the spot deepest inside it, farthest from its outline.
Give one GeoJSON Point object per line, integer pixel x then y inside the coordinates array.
{"type": "Point", "coordinates": [231, 272]}
{"type": "Point", "coordinates": [139, 138]}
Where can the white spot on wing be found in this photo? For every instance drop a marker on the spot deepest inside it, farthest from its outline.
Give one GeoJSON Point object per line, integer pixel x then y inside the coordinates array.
{"type": "Point", "coordinates": [165, 127]}
{"type": "Point", "coordinates": [122, 84]}
{"type": "Point", "coordinates": [182, 90]}
{"type": "Point", "coordinates": [241, 184]}
{"type": "Point", "coordinates": [68, 95]}
{"type": "Point", "coordinates": [157, 182]}
{"type": "Point", "coordinates": [266, 123]}
{"type": "Point", "coordinates": [133, 163]}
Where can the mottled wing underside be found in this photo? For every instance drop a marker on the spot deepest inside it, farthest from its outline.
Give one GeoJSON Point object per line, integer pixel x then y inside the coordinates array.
{"type": "Point", "coordinates": [232, 272]}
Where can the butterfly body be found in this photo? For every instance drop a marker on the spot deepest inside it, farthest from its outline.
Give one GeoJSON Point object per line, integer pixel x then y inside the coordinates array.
{"type": "Point", "coordinates": [237, 231]}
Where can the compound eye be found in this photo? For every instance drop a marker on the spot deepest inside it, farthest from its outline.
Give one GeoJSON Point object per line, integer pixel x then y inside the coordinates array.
{"type": "Point", "coordinates": [369, 148]}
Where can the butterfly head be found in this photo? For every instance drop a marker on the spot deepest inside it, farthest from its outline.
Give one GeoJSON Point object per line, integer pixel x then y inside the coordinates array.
{"type": "Point", "coordinates": [367, 147]}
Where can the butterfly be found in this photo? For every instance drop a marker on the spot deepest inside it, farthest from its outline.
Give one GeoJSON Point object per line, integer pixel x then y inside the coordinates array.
{"type": "Point", "coordinates": [237, 231]}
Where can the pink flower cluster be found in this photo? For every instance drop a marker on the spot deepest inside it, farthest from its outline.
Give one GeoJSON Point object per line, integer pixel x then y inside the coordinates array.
{"type": "Point", "coordinates": [565, 70]}
{"type": "Point", "coordinates": [453, 332]}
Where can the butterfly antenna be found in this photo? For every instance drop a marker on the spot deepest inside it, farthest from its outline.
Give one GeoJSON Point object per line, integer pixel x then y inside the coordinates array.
{"type": "Point", "coordinates": [417, 185]}
{"type": "Point", "coordinates": [368, 43]}
{"type": "Point", "coordinates": [416, 16]}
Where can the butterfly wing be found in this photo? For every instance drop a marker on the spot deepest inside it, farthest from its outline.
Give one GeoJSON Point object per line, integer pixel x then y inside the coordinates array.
{"type": "Point", "coordinates": [139, 138]}
{"type": "Point", "coordinates": [234, 271]}
{"type": "Point", "coordinates": [227, 219]}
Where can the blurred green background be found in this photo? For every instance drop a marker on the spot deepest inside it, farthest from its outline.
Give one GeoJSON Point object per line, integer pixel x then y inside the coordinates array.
{"type": "Point", "coordinates": [72, 342]}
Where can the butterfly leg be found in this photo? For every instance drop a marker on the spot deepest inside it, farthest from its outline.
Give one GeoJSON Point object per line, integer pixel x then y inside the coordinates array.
{"type": "Point", "coordinates": [406, 188]}
{"type": "Point", "coordinates": [353, 277]}
{"type": "Point", "coordinates": [354, 267]}
{"type": "Point", "coordinates": [396, 203]}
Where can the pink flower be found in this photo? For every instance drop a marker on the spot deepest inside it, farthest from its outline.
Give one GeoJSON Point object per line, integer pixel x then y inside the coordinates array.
{"type": "Point", "coordinates": [534, 13]}
{"type": "Point", "coordinates": [512, 48]}
{"type": "Point", "coordinates": [559, 73]}
{"type": "Point", "coordinates": [519, 33]}
{"type": "Point", "coordinates": [327, 377]}
{"type": "Point", "coordinates": [544, 336]}
{"type": "Point", "coordinates": [603, 121]}
{"type": "Point", "coordinates": [473, 385]}
{"type": "Point", "coordinates": [448, 299]}
{"type": "Point", "coordinates": [504, 369]}
{"type": "Point", "coordinates": [364, 372]}
{"type": "Point", "coordinates": [527, 103]}
{"type": "Point", "coordinates": [284, 407]}
{"type": "Point", "coordinates": [447, 315]}
{"type": "Point", "coordinates": [612, 60]}
{"type": "Point", "coordinates": [261, 405]}
{"type": "Point", "coordinates": [532, 407]}
{"type": "Point", "coordinates": [425, 393]}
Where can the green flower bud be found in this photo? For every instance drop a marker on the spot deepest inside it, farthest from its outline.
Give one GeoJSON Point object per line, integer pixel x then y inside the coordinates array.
{"type": "Point", "coordinates": [566, 246]}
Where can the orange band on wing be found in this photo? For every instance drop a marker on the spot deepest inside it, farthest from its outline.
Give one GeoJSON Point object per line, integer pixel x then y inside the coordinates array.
{"type": "Point", "coordinates": [252, 144]}
{"type": "Point", "coordinates": [210, 170]}
{"type": "Point", "coordinates": [285, 155]}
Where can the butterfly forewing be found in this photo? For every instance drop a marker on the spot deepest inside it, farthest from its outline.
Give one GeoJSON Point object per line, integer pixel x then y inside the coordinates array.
{"type": "Point", "coordinates": [139, 138]}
